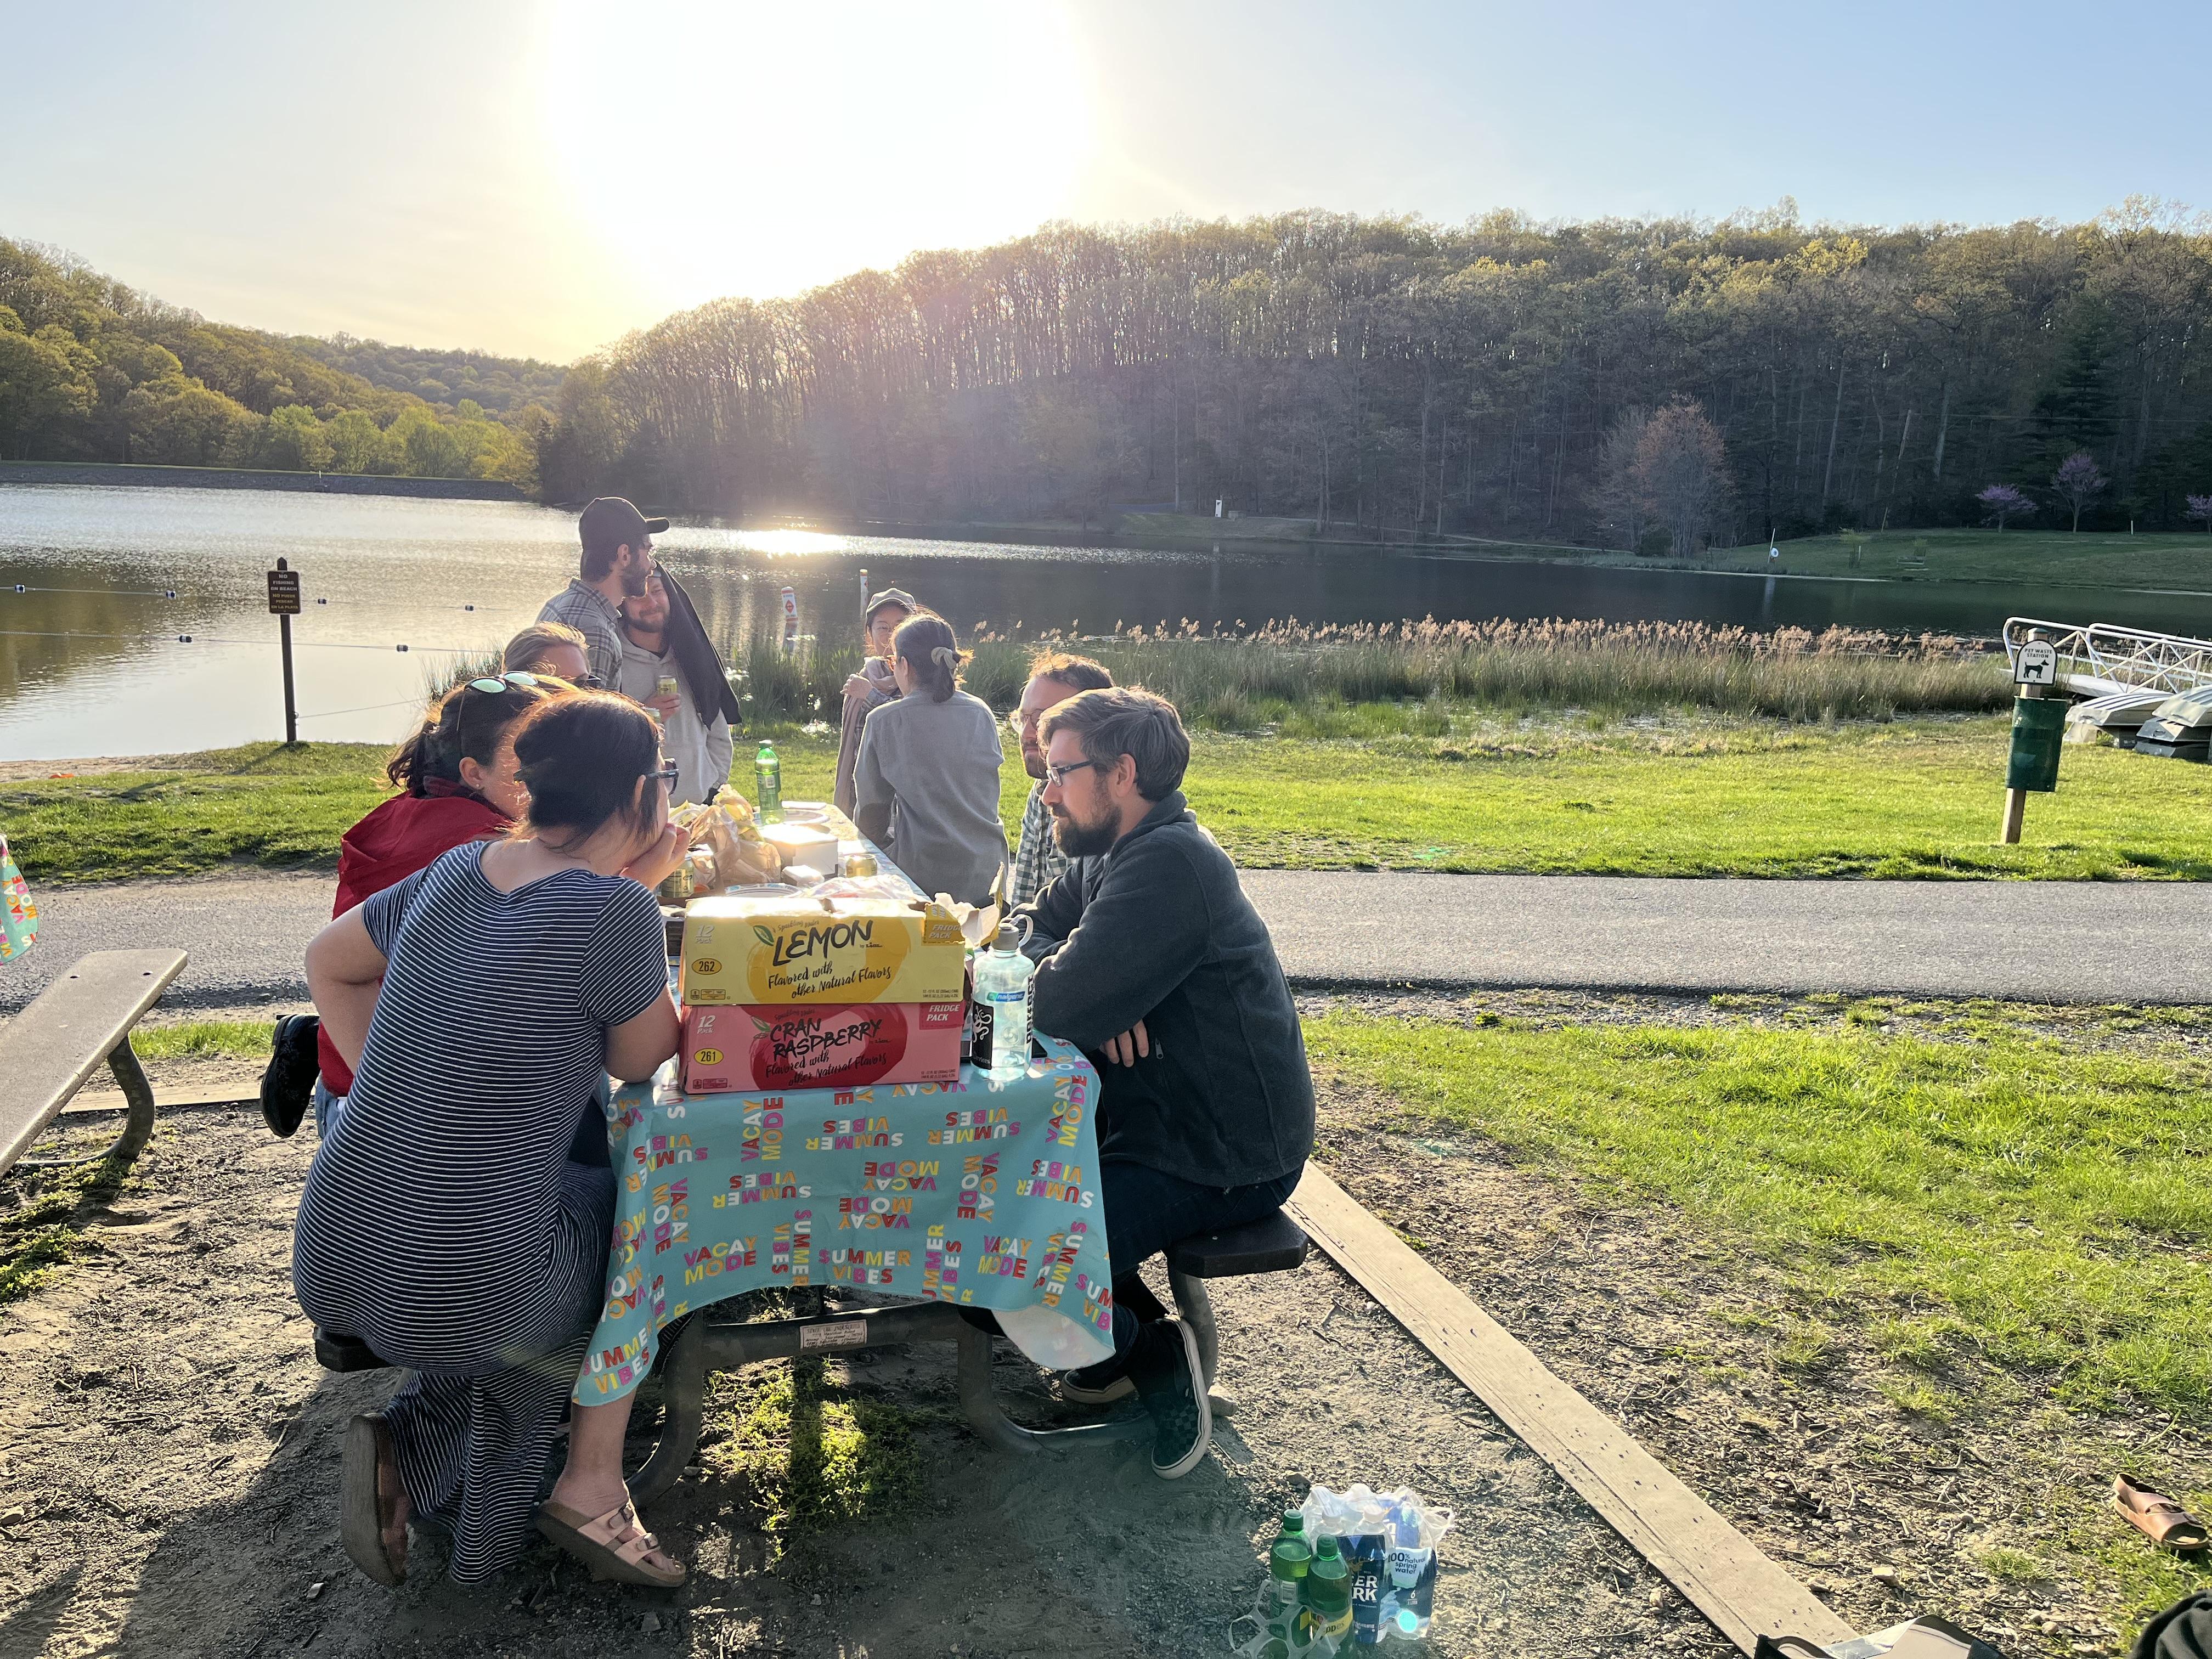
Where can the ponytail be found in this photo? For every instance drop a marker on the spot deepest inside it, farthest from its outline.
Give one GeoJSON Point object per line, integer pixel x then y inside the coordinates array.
{"type": "Point", "coordinates": [933, 655]}
{"type": "Point", "coordinates": [465, 724]}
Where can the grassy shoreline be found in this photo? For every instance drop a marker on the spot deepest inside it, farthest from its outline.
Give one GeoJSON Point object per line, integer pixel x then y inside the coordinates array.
{"type": "Point", "coordinates": [2159, 560]}
{"type": "Point", "coordinates": [1377, 786]}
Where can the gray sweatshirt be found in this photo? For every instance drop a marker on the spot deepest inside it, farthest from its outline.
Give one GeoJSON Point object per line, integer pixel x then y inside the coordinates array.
{"type": "Point", "coordinates": [926, 789]}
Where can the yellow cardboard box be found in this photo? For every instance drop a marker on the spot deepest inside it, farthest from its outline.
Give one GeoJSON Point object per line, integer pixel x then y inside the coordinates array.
{"type": "Point", "coordinates": [791, 948]}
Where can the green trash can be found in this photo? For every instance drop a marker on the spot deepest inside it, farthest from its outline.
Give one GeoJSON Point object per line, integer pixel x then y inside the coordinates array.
{"type": "Point", "coordinates": [2038, 726]}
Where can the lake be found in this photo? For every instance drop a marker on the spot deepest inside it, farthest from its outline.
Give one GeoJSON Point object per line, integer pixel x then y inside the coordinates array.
{"type": "Point", "coordinates": [93, 660]}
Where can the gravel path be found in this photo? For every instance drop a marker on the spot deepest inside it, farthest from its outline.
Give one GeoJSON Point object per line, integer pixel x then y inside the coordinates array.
{"type": "Point", "coordinates": [2089, 942]}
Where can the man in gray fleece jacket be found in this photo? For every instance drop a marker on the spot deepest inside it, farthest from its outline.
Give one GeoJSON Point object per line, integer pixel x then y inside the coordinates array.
{"type": "Point", "coordinates": [1151, 959]}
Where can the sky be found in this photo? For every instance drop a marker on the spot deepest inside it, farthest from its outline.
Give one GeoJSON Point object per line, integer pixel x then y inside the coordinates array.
{"type": "Point", "coordinates": [539, 177]}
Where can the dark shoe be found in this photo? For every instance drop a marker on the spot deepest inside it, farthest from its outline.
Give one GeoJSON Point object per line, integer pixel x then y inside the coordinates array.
{"type": "Point", "coordinates": [1100, 1384]}
{"type": "Point", "coordinates": [1164, 1363]}
{"type": "Point", "coordinates": [288, 1086]}
{"type": "Point", "coordinates": [369, 1524]}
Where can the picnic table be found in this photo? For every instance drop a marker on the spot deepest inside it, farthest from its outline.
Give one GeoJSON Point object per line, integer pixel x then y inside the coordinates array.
{"type": "Point", "coordinates": [976, 1192]}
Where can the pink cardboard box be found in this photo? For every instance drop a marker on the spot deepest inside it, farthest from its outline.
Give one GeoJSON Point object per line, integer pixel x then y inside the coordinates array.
{"type": "Point", "coordinates": [809, 1046]}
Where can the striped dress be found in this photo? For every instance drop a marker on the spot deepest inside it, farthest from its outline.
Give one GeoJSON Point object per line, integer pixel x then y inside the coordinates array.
{"type": "Point", "coordinates": [442, 1222]}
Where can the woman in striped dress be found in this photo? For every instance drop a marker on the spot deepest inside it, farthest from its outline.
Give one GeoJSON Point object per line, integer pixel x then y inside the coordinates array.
{"type": "Point", "coordinates": [480, 1002]}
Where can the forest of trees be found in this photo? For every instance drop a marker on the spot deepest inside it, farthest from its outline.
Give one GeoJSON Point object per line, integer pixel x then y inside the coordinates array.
{"type": "Point", "coordinates": [1501, 378]}
{"type": "Point", "coordinates": [1655, 385]}
{"type": "Point", "coordinates": [91, 370]}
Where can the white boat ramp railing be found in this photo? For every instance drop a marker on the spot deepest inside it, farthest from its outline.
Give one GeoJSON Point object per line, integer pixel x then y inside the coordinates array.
{"type": "Point", "coordinates": [2098, 659]}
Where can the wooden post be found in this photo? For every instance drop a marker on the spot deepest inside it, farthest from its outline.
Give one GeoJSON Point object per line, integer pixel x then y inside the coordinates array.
{"type": "Point", "coordinates": [2015, 807]}
{"type": "Point", "coordinates": [284, 599]}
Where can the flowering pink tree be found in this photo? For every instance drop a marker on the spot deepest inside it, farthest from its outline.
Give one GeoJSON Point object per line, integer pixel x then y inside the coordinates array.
{"type": "Point", "coordinates": [2200, 507]}
{"type": "Point", "coordinates": [2002, 501]}
{"type": "Point", "coordinates": [2076, 480]}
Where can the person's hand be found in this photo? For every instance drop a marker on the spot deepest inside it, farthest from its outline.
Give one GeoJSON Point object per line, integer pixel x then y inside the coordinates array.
{"type": "Point", "coordinates": [857, 685]}
{"type": "Point", "coordinates": [1130, 1047]}
{"type": "Point", "coordinates": [656, 865]}
{"type": "Point", "coordinates": [665, 706]}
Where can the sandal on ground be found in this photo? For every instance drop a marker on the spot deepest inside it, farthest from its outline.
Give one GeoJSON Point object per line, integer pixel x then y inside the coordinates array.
{"type": "Point", "coordinates": [368, 1505]}
{"type": "Point", "coordinates": [615, 1546]}
{"type": "Point", "coordinates": [2162, 1520]}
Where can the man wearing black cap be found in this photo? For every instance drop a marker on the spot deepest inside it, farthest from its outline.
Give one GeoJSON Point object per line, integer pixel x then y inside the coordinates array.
{"type": "Point", "coordinates": [617, 559]}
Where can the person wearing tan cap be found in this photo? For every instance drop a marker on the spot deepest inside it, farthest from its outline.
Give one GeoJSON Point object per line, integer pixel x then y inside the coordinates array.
{"type": "Point", "coordinates": [873, 685]}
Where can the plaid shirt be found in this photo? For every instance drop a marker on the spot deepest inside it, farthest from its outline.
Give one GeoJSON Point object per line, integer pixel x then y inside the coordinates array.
{"type": "Point", "coordinates": [1036, 860]}
{"type": "Point", "coordinates": [585, 609]}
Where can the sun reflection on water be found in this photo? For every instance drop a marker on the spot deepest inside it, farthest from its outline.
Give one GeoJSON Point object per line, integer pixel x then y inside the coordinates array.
{"type": "Point", "coordinates": [789, 544]}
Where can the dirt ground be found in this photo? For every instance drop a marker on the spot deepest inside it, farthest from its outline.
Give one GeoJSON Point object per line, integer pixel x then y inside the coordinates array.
{"type": "Point", "coordinates": [168, 1483]}
{"type": "Point", "coordinates": [168, 1450]}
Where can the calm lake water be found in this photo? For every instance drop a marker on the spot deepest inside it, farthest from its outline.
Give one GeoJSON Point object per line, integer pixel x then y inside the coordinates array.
{"type": "Point", "coordinates": [92, 661]}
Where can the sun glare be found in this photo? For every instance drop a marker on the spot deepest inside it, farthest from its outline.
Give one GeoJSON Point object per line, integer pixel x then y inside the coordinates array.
{"type": "Point", "coordinates": [760, 150]}
{"type": "Point", "coordinates": [782, 544]}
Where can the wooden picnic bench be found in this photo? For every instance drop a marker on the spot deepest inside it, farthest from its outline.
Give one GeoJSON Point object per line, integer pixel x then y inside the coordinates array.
{"type": "Point", "coordinates": [1273, 1244]}
{"type": "Point", "coordinates": [56, 1043]}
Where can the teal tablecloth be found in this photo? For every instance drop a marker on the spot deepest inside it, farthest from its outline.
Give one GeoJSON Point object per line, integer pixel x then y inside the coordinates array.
{"type": "Point", "coordinates": [974, 1192]}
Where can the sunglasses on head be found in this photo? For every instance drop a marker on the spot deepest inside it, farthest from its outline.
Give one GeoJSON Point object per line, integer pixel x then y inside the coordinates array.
{"type": "Point", "coordinates": [495, 686]}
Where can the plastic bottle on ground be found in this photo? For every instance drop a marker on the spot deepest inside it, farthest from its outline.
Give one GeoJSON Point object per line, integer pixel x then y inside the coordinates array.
{"type": "Point", "coordinates": [1410, 1599]}
{"type": "Point", "coordinates": [1326, 1595]}
{"type": "Point", "coordinates": [1289, 1556]}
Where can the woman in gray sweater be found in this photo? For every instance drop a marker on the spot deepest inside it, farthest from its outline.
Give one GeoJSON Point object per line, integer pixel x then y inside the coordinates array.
{"type": "Point", "coordinates": [927, 782]}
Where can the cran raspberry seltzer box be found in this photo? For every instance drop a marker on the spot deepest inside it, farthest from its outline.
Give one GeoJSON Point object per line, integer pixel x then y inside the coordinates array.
{"type": "Point", "coordinates": [792, 948]}
{"type": "Point", "coordinates": [802, 1046]}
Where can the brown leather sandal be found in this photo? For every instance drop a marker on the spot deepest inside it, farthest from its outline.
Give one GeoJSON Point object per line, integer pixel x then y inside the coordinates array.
{"type": "Point", "coordinates": [369, 1521]}
{"type": "Point", "coordinates": [615, 1546]}
{"type": "Point", "coordinates": [2162, 1520]}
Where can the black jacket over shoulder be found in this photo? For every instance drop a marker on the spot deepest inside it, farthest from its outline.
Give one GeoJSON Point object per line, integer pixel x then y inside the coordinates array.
{"type": "Point", "coordinates": [1159, 929]}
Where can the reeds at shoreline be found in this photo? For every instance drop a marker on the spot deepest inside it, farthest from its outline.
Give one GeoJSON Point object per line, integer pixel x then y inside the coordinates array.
{"type": "Point", "coordinates": [1248, 681]}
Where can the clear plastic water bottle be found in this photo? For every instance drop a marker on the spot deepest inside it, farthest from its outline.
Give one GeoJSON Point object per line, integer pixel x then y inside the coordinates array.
{"type": "Point", "coordinates": [1410, 1598]}
{"type": "Point", "coordinates": [768, 773]}
{"type": "Point", "coordinates": [1002, 993]}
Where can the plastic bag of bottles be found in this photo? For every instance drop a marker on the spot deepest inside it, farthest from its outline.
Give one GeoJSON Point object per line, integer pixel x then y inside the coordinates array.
{"type": "Point", "coordinates": [1389, 1539]}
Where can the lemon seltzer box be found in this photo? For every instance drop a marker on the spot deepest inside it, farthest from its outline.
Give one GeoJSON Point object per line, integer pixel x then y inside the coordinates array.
{"type": "Point", "coordinates": [789, 948]}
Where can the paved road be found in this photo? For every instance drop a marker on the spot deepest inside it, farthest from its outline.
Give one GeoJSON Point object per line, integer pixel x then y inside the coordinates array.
{"type": "Point", "coordinates": [2052, 941]}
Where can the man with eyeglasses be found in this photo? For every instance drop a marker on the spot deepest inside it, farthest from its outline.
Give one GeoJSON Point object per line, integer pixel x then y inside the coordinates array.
{"type": "Point", "coordinates": [1055, 677]}
{"type": "Point", "coordinates": [1151, 959]}
{"type": "Point", "coordinates": [617, 559]}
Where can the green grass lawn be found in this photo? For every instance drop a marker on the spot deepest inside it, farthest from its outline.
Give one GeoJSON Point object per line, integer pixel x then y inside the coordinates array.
{"type": "Point", "coordinates": [2009, 1197]}
{"type": "Point", "coordinates": [1687, 796]}
{"type": "Point", "coordinates": [2091, 559]}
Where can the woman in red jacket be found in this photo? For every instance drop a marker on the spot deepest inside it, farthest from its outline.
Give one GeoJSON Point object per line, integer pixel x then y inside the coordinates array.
{"type": "Point", "coordinates": [457, 777]}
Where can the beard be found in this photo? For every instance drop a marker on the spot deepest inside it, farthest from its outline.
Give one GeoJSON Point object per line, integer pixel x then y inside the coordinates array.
{"type": "Point", "coordinates": [1085, 841]}
{"type": "Point", "coordinates": [634, 581]}
{"type": "Point", "coordinates": [1033, 763]}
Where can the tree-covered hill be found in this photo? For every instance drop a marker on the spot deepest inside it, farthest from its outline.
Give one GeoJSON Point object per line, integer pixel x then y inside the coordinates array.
{"type": "Point", "coordinates": [92, 370]}
{"type": "Point", "coordinates": [500, 385]}
{"type": "Point", "coordinates": [1631, 383]}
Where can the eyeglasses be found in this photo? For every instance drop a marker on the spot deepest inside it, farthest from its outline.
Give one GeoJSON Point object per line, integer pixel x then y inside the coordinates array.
{"type": "Point", "coordinates": [667, 773]}
{"type": "Point", "coordinates": [493, 687]}
{"type": "Point", "coordinates": [1058, 775]}
{"type": "Point", "coordinates": [589, 683]}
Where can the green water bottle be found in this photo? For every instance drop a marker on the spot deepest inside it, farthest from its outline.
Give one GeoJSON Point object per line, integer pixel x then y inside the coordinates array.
{"type": "Point", "coordinates": [1282, 1620]}
{"type": "Point", "coordinates": [769, 772]}
{"type": "Point", "coordinates": [1326, 1594]}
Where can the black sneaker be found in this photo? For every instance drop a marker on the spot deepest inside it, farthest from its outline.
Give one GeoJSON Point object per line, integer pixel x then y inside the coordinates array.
{"type": "Point", "coordinates": [1164, 1363]}
{"type": "Point", "coordinates": [288, 1086]}
{"type": "Point", "coordinates": [1100, 1384]}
